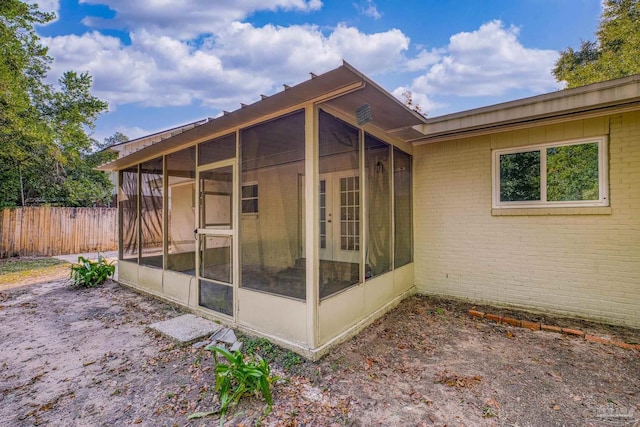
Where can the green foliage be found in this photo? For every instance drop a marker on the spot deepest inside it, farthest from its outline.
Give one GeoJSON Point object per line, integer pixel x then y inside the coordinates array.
{"type": "Point", "coordinates": [615, 54]}
{"type": "Point", "coordinates": [272, 353]}
{"type": "Point", "coordinates": [87, 273]}
{"type": "Point", "coordinates": [242, 376]}
{"type": "Point", "coordinates": [116, 138]}
{"type": "Point", "coordinates": [520, 176]}
{"type": "Point", "coordinates": [44, 140]}
{"type": "Point", "coordinates": [572, 172]}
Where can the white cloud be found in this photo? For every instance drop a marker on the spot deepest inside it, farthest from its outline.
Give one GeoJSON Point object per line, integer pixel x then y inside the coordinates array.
{"type": "Point", "coordinates": [371, 53]}
{"type": "Point", "coordinates": [424, 59]}
{"type": "Point", "coordinates": [220, 66]}
{"type": "Point", "coordinates": [235, 65]}
{"type": "Point", "coordinates": [370, 9]}
{"type": "Point", "coordinates": [187, 19]}
{"type": "Point", "coordinates": [152, 71]}
{"type": "Point", "coordinates": [490, 61]}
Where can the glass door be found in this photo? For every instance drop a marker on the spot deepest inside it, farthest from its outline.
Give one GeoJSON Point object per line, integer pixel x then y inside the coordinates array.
{"type": "Point", "coordinates": [340, 217]}
{"type": "Point", "coordinates": [216, 260]}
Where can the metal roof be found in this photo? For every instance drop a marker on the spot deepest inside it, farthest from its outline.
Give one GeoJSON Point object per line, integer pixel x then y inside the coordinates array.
{"type": "Point", "coordinates": [343, 88]}
{"type": "Point", "coordinates": [154, 137]}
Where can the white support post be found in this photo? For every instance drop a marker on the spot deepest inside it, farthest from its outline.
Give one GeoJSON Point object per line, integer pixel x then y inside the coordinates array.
{"type": "Point", "coordinates": [311, 224]}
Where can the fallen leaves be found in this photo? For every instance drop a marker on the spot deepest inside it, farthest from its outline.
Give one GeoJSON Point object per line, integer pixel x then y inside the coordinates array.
{"type": "Point", "coordinates": [297, 403]}
{"type": "Point", "coordinates": [458, 381]}
{"type": "Point", "coordinates": [369, 362]}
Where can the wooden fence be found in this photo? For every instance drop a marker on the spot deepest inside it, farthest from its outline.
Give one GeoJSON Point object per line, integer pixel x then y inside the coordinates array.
{"type": "Point", "coordinates": [47, 231]}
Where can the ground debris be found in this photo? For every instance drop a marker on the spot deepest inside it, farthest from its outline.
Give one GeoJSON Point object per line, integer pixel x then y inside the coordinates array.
{"type": "Point", "coordinates": [455, 380]}
{"type": "Point", "coordinates": [59, 345]}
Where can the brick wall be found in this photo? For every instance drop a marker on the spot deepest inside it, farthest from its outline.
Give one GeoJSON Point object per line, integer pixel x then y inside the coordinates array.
{"type": "Point", "coordinates": [582, 261]}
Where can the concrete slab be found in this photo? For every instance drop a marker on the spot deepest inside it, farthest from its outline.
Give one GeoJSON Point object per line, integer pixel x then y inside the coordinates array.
{"type": "Point", "coordinates": [226, 336]}
{"type": "Point", "coordinates": [186, 328]}
{"type": "Point", "coordinates": [73, 258]}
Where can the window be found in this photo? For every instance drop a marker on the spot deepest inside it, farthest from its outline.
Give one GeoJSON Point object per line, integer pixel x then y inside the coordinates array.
{"type": "Point", "coordinates": [217, 149]}
{"type": "Point", "coordinates": [181, 217]}
{"type": "Point", "coordinates": [128, 204]}
{"type": "Point", "coordinates": [378, 226]}
{"type": "Point", "coordinates": [151, 205]}
{"type": "Point", "coordinates": [340, 205]}
{"type": "Point", "coordinates": [350, 213]}
{"type": "Point", "coordinates": [402, 204]}
{"type": "Point", "coordinates": [566, 174]}
{"type": "Point", "coordinates": [250, 198]}
{"type": "Point", "coordinates": [271, 244]}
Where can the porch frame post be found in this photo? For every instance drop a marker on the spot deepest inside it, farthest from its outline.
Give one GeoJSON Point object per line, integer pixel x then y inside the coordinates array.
{"type": "Point", "coordinates": [311, 223]}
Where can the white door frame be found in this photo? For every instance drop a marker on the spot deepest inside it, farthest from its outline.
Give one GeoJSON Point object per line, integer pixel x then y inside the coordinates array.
{"type": "Point", "coordinates": [220, 230]}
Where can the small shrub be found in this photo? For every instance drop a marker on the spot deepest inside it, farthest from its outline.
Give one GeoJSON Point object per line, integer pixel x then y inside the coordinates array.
{"type": "Point", "coordinates": [241, 377]}
{"type": "Point", "coordinates": [88, 273]}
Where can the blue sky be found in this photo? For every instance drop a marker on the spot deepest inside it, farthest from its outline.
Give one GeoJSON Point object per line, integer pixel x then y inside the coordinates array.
{"type": "Point", "coordinates": [164, 63]}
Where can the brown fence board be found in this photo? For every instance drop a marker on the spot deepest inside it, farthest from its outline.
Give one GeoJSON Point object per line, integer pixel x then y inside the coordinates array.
{"type": "Point", "coordinates": [47, 231]}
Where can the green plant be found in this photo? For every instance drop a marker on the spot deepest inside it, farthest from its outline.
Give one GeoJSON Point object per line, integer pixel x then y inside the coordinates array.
{"type": "Point", "coordinates": [242, 376]}
{"type": "Point", "coordinates": [88, 273]}
{"type": "Point", "coordinates": [262, 346]}
{"type": "Point", "coordinates": [272, 353]}
{"type": "Point", "coordinates": [488, 412]}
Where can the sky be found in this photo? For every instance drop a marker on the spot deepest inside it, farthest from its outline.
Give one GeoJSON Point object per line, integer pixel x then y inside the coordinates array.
{"type": "Point", "coordinates": [163, 63]}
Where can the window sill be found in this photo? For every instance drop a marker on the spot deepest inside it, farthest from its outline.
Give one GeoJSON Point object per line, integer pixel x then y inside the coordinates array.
{"type": "Point", "coordinates": [591, 210]}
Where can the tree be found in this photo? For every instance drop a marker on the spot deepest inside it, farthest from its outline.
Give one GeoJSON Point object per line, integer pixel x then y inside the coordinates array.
{"type": "Point", "coordinates": [615, 54]}
{"type": "Point", "coordinates": [409, 102]}
{"type": "Point", "coordinates": [572, 172]}
{"type": "Point", "coordinates": [23, 66]}
{"type": "Point", "coordinates": [43, 129]}
{"type": "Point", "coordinates": [86, 185]}
{"type": "Point", "coordinates": [116, 138]}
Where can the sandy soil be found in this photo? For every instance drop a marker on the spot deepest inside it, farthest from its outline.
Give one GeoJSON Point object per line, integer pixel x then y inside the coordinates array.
{"type": "Point", "coordinates": [48, 274]}
{"type": "Point", "coordinates": [71, 356]}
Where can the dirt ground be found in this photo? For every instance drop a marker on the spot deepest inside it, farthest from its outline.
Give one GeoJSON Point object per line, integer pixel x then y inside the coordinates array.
{"type": "Point", "coordinates": [71, 356]}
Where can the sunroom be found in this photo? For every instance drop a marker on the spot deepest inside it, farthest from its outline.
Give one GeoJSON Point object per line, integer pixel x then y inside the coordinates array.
{"type": "Point", "coordinates": [290, 218]}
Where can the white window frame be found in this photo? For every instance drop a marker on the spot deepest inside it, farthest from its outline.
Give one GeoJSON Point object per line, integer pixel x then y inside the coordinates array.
{"type": "Point", "coordinates": [603, 175]}
{"type": "Point", "coordinates": [242, 199]}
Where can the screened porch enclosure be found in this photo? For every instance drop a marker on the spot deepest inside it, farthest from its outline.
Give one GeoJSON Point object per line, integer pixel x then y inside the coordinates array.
{"type": "Point", "coordinates": [295, 223]}
{"type": "Point", "coordinates": [272, 213]}
{"type": "Point", "coordinates": [231, 212]}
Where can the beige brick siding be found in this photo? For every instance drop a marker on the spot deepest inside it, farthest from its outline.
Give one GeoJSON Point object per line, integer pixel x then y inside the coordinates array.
{"type": "Point", "coordinates": [582, 262]}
